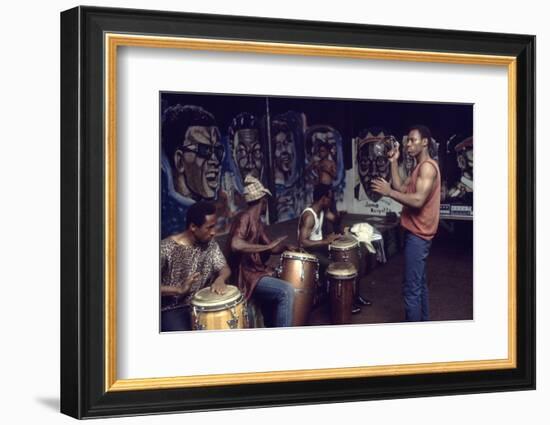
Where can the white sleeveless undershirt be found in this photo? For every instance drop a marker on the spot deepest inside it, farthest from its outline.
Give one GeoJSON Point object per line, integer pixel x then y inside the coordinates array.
{"type": "Point", "coordinates": [317, 232]}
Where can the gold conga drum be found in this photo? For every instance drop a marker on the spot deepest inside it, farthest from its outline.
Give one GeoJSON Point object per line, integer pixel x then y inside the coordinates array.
{"type": "Point", "coordinates": [211, 311]}
{"type": "Point", "coordinates": [301, 270]}
{"type": "Point", "coordinates": [341, 277]}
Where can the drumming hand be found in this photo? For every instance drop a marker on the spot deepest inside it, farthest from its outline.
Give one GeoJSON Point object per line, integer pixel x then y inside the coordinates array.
{"type": "Point", "coordinates": [293, 248]}
{"type": "Point", "coordinates": [332, 237]}
{"type": "Point", "coordinates": [189, 281]}
{"type": "Point", "coordinates": [219, 286]}
{"type": "Point", "coordinates": [277, 241]}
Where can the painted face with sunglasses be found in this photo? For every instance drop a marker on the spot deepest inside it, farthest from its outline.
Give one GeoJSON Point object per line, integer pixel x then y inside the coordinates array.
{"type": "Point", "coordinates": [198, 162]}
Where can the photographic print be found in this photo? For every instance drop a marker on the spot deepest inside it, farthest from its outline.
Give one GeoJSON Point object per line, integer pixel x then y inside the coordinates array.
{"type": "Point", "coordinates": [301, 211]}
{"type": "Point", "coordinates": [209, 203]}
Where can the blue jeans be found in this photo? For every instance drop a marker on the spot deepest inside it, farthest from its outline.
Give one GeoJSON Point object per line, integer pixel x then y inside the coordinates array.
{"type": "Point", "coordinates": [177, 319]}
{"type": "Point", "coordinates": [415, 288]}
{"type": "Point", "coordinates": [271, 290]}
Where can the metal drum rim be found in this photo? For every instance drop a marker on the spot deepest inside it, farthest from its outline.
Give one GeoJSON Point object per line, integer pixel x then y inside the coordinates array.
{"type": "Point", "coordinates": [342, 277]}
{"type": "Point", "coordinates": [219, 307]}
{"type": "Point", "coordinates": [299, 256]}
{"type": "Point", "coordinates": [331, 247]}
{"type": "Point", "coordinates": [221, 304]}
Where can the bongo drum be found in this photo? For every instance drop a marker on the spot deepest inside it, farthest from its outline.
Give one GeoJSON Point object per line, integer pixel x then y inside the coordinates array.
{"type": "Point", "coordinates": [301, 270]}
{"type": "Point", "coordinates": [214, 311]}
{"type": "Point", "coordinates": [341, 277]}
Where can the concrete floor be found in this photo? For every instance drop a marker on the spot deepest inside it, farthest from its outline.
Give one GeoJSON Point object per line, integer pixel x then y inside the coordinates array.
{"type": "Point", "coordinates": [450, 276]}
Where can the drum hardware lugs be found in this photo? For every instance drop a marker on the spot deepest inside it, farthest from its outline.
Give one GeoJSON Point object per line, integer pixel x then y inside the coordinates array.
{"type": "Point", "coordinates": [245, 314]}
{"type": "Point", "coordinates": [198, 325]}
{"type": "Point", "coordinates": [234, 321]}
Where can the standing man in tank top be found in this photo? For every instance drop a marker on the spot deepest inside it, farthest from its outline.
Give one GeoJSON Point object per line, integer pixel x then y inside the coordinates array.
{"type": "Point", "coordinates": [420, 196]}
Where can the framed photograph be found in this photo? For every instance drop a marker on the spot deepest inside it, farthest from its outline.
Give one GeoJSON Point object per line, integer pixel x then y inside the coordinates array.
{"type": "Point", "coordinates": [262, 212]}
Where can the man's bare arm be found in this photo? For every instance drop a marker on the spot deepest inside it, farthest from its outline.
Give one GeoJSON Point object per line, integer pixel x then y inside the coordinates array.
{"type": "Point", "coordinates": [278, 248]}
{"type": "Point", "coordinates": [396, 181]}
{"type": "Point", "coordinates": [240, 245]}
{"type": "Point", "coordinates": [307, 223]}
{"type": "Point", "coordinates": [424, 186]}
{"type": "Point", "coordinates": [180, 289]}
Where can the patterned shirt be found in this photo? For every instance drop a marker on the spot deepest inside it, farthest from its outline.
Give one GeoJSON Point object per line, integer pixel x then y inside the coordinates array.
{"type": "Point", "coordinates": [178, 261]}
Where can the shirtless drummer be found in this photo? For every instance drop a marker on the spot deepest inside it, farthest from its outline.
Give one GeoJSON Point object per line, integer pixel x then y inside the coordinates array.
{"type": "Point", "coordinates": [325, 167]}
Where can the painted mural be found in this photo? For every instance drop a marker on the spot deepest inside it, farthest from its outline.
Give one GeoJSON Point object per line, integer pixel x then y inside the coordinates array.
{"type": "Point", "coordinates": [371, 148]}
{"type": "Point", "coordinates": [324, 161]}
{"type": "Point", "coordinates": [209, 143]}
{"type": "Point", "coordinates": [287, 147]}
{"type": "Point", "coordinates": [191, 158]}
{"type": "Point", "coordinates": [458, 192]}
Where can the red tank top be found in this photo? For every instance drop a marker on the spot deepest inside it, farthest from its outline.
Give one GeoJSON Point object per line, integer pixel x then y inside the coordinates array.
{"type": "Point", "coordinates": [423, 221]}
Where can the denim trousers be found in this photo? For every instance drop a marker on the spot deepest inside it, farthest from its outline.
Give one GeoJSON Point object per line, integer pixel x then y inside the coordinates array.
{"type": "Point", "coordinates": [177, 319]}
{"type": "Point", "coordinates": [272, 291]}
{"type": "Point", "coordinates": [415, 288]}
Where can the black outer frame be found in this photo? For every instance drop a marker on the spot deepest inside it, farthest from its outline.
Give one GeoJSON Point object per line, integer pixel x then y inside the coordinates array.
{"type": "Point", "coordinates": [82, 212]}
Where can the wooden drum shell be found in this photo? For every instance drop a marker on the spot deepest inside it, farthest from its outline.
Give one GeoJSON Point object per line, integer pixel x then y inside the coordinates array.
{"type": "Point", "coordinates": [301, 271]}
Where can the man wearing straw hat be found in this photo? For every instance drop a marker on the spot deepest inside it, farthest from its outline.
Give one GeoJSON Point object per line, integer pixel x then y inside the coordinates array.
{"type": "Point", "coordinates": [249, 247]}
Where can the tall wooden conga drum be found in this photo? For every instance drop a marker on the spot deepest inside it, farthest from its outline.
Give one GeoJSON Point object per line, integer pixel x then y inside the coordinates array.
{"type": "Point", "coordinates": [341, 277]}
{"type": "Point", "coordinates": [347, 249]}
{"type": "Point", "coordinates": [301, 270]}
{"type": "Point", "coordinates": [214, 311]}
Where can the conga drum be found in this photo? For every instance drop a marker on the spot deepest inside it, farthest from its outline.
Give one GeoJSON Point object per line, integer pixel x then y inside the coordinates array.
{"type": "Point", "coordinates": [345, 249]}
{"type": "Point", "coordinates": [301, 270]}
{"type": "Point", "coordinates": [211, 311]}
{"type": "Point", "coordinates": [341, 277]}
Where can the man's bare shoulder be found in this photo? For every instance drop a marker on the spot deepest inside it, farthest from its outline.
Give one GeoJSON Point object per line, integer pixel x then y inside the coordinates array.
{"type": "Point", "coordinates": [242, 216]}
{"type": "Point", "coordinates": [327, 163]}
{"type": "Point", "coordinates": [307, 218]}
{"type": "Point", "coordinates": [428, 170]}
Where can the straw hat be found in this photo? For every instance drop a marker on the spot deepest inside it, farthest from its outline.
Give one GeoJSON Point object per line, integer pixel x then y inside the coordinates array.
{"type": "Point", "coordinates": [254, 189]}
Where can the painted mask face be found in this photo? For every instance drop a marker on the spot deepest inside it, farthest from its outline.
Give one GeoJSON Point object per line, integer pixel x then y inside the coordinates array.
{"type": "Point", "coordinates": [372, 160]}
{"type": "Point", "coordinates": [286, 206]}
{"type": "Point", "coordinates": [248, 153]}
{"type": "Point", "coordinates": [465, 160]}
{"type": "Point", "coordinates": [465, 156]}
{"type": "Point", "coordinates": [202, 156]}
{"type": "Point", "coordinates": [285, 154]}
{"type": "Point", "coordinates": [324, 144]}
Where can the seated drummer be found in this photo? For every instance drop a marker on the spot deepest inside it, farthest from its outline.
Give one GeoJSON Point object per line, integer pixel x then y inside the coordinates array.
{"type": "Point", "coordinates": [189, 261]}
{"type": "Point", "coordinates": [249, 248]}
{"type": "Point", "coordinates": [310, 232]}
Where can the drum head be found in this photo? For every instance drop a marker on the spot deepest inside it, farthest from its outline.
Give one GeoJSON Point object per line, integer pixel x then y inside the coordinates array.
{"type": "Point", "coordinates": [304, 256]}
{"type": "Point", "coordinates": [344, 243]}
{"type": "Point", "coordinates": [209, 300]}
{"type": "Point", "coordinates": [341, 270]}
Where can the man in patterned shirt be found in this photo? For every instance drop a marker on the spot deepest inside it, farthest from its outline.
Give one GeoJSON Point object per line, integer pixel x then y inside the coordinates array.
{"type": "Point", "coordinates": [189, 261]}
